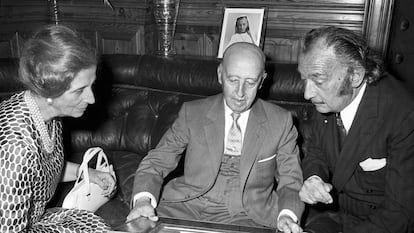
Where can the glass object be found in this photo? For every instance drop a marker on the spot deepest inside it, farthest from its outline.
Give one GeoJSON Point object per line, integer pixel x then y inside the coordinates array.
{"type": "Point", "coordinates": [54, 11]}
{"type": "Point", "coordinates": [165, 13]}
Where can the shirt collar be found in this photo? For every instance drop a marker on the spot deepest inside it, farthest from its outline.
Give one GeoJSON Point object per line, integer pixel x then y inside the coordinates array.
{"type": "Point", "coordinates": [349, 112]}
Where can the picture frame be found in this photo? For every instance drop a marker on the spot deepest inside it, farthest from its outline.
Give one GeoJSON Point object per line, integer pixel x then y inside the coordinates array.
{"type": "Point", "coordinates": [234, 28]}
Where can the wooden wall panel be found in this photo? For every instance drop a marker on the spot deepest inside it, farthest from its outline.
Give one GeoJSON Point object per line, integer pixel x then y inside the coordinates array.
{"type": "Point", "coordinates": [6, 46]}
{"type": "Point", "coordinates": [286, 22]}
{"type": "Point", "coordinates": [377, 23]}
{"type": "Point", "coordinates": [14, 11]}
{"type": "Point", "coordinates": [196, 44]}
{"type": "Point", "coordinates": [125, 11]}
{"type": "Point", "coordinates": [282, 50]}
{"type": "Point", "coordinates": [126, 43]}
{"type": "Point", "coordinates": [10, 45]}
{"type": "Point", "coordinates": [5, 49]}
{"type": "Point", "coordinates": [130, 27]}
{"type": "Point", "coordinates": [110, 31]}
{"type": "Point", "coordinates": [189, 44]}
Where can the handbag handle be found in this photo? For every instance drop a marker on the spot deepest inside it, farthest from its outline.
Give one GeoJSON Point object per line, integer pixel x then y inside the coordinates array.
{"type": "Point", "coordinates": [91, 152]}
{"type": "Point", "coordinates": [83, 169]}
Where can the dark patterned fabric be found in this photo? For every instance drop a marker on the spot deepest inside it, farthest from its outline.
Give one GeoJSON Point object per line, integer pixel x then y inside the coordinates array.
{"type": "Point", "coordinates": [29, 176]}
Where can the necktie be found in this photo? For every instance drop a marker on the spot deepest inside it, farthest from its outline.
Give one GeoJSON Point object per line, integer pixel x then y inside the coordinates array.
{"type": "Point", "coordinates": [234, 137]}
{"type": "Point", "coordinates": [341, 129]}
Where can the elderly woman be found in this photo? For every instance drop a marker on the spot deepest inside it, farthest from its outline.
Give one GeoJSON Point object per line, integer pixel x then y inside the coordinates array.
{"type": "Point", "coordinates": [58, 69]}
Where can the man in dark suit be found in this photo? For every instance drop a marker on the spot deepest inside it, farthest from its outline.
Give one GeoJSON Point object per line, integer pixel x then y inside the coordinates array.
{"type": "Point", "coordinates": [360, 155]}
{"type": "Point", "coordinates": [237, 146]}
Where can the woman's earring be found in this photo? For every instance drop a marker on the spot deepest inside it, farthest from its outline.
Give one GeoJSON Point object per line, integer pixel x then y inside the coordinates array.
{"type": "Point", "coordinates": [49, 100]}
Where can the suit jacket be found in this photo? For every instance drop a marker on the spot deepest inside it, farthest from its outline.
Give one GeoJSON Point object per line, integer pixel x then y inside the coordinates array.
{"type": "Point", "coordinates": [380, 200]}
{"type": "Point", "coordinates": [269, 153]}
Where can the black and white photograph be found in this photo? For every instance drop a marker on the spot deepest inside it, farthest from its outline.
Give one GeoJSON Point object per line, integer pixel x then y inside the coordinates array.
{"type": "Point", "coordinates": [241, 25]}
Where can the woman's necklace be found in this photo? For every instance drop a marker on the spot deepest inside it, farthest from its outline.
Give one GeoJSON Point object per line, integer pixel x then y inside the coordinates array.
{"type": "Point", "coordinates": [47, 139]}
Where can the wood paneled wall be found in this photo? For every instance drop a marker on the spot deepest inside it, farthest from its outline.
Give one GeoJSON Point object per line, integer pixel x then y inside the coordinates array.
{"type": "Point", "coordinates": [130, 28]}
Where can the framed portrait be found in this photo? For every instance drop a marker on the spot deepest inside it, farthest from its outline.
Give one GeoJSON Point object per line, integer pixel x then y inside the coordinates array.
{"type": "Point", "coordinates": [241, 24]}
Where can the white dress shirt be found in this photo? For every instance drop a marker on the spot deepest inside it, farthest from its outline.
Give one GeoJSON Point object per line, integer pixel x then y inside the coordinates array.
{"type": "Point", "coordinates": [349, 112]}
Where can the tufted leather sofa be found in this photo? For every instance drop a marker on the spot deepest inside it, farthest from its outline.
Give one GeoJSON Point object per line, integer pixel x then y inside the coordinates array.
{"type": "Point", "coordinates": [138, 98]}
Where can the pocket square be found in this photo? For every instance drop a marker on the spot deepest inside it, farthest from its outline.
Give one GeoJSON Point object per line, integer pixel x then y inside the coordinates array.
{"type": "Point", "coordinates": [371, 164]}
{"type": "Point", "coordinates": [267, 159]}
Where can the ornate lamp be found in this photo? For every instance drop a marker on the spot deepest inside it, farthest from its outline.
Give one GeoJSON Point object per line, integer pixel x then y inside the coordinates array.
{"type": "Point", "coordinates": [165, 13]}
{"type": "Point", "coordinates": [55, 11]}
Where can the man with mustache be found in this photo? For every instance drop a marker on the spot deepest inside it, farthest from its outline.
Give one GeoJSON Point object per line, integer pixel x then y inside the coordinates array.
{"type": "Point", "coordinates": [359, 159]}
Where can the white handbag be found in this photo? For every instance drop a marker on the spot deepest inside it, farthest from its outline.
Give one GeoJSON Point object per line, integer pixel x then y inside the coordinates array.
{"type": "Point", "coordinates": [84, 194]}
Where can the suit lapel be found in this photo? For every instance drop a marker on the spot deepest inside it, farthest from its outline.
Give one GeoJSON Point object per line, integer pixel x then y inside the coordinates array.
{"type": "Point", "coordinates": [361, 133]}
{"type": "Point", "coordinates": [253, 140]}
{"type": "Point", "coordinates": [214, 132]}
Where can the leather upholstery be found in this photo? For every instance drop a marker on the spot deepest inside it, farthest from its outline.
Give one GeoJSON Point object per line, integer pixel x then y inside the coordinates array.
{"type": "Point", "coordinates": [138, 98]}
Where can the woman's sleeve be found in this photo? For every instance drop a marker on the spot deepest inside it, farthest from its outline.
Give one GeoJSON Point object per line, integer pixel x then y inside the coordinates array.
{"type": "Point", "coordinates": [17, 175]}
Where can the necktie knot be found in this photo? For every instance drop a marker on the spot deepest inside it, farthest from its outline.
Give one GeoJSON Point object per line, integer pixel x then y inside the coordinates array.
{"type": "Point", "coordinates": [339, 120]}
{"type": "Point", "coordinates": [341, 129]}
{"type": "Point", "coordinates": [235, 116]}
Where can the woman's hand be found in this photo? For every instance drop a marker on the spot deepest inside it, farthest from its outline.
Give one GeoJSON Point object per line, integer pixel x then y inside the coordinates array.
{"type": "Point", "coordinates": [105, 180]}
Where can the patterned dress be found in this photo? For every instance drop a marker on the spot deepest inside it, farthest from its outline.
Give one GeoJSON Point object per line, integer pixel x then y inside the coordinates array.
{"type": "Point", "coordinates": [29, 176]}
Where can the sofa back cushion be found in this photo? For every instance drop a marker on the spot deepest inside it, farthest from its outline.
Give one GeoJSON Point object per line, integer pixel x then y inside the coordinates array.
{"type": "Point", "coordinates": [138, 97]}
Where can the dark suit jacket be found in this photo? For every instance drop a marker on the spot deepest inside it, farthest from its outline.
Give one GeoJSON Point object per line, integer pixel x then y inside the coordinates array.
{"type": "Point", "coordinates": [269, 153]}
{"type": "Point", "coordinates": [373, 201]}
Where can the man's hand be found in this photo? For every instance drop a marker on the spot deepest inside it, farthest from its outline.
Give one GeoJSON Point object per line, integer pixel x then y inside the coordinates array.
{"type": "Point", "coordinates": [287, 225]}
{"type": "Point", "coordinates": [314, 190]}
{"type": "Point", "coordinates": [143, 208]}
